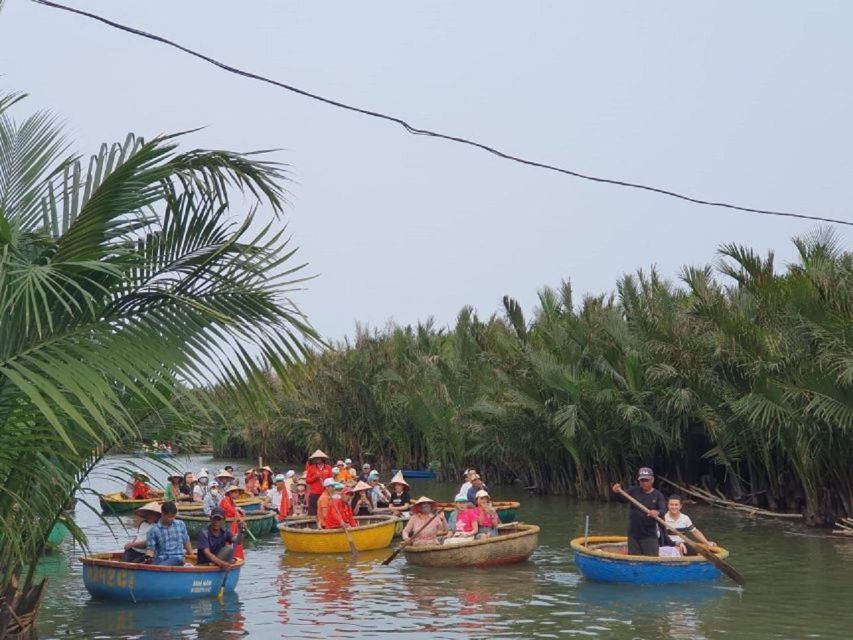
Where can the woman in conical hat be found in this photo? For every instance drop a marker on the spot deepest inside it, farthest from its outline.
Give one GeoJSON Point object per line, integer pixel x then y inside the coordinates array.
{"type": "Point", "coordinates": [148, 515]}
{"type": "Point", "coordinates": [317, 470]}
{"type": "Point", "coordinates": [398, 500]}
{"type": "Point", "coordinates": [362, 504]}
{"type": "Point", "coordinates": [425, 526]}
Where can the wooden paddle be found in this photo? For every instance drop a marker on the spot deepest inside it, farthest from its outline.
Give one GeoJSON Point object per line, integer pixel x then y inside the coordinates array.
{"type": "Point", "coordinates": [406, 543]}
{"type": "Point", "coordinates": [709, 555]}
{"type": "Point", "coordinates": [345, 527]}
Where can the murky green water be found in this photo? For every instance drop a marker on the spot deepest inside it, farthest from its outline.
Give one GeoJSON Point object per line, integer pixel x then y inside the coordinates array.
{"type": "Point", "coordinates": [800, 585]}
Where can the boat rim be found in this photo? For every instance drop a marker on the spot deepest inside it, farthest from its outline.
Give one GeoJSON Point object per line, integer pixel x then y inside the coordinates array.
{"type": "Point", "coordinates": [289, 528]}
{"type": "Point", "coordinates": [106, 560]}
{"type": "Point", "coordinates": [249, 516]}
{"type": "Point", "coordinates": [497, 504]}
{"type": "Point", "coordinates": [579, 546]}
{"type": "Point", "coordinates": [525, 530]}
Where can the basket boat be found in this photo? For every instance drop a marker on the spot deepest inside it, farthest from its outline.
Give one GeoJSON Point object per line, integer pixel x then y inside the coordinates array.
{"type": "Point", "coordinates": [507, 511]}
{"type": "Point", "coordinates": [107, 577]}
{"type": "Point", "coordinates": [372, 532]}
{"type": "Point", "coordinates": [247, 502]}
{"type": "Point", "coordinates": [260, 524]}
{"type": "Point", "coordinates": [605, 559]}
{"type": "Point", "coordinates": [513, 544]}
{"type": "Point", "coordinates": [119, 503]}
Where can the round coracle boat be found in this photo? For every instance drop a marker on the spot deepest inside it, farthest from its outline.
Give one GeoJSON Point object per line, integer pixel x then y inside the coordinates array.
{"type": "Point", "coordinates": [118, 502]}
{"type": "Point", "coordinates": [107, 577]}
{"type": "Point", "coordinates": [246, 501]}
{"type": "Point", "coordinates": [372, 532]}
{"type": "Point", "coordinates": [514, 543]}
{"type": "Point", "coordinates": [507, 511]}
{"type": "Point", "coordinates": [606, 559]}
{"type": "Point", "coordinates": [260, 524]}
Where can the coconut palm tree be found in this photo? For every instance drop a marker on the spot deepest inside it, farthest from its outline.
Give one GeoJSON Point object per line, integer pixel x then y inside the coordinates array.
{"type": "Point", "coordinates": [124, 281]}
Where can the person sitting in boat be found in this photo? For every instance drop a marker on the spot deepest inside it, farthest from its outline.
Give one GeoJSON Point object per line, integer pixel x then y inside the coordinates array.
{"type": "Point", "coordinates": [487, 517]}
{"type": "Point", "coordinates": [682, 523]}
{"type": "Point", "coordinates": [317, 471]}
{"type": "Point", "coordinates": [147, 517]}
{"type": "Point", "coordinates": [299, 498]}
{"type": "Point", "coordinates": [250, 482]}
{"type": "Point", "coordinates": [352, 472]}
{"type": "Point", "coordinates": [379, 494]}
{"type": "Point", "coordinates": [213, 498]}
{"type": "Point", "coordinates": [186, 487]}
{"type": "Point", "coordinates": [398, 498]}
{"type": "Point", "coordinates": [215, 543]}
{"type": "Point", "coordinates": [477, 484]}
{"type": "Point", "coordinates": [340, 473]}
{"type": "Point", "coordinates": [465, 526]}
{"type": "Point", "coordinates": [468, 476]}
{"type": "Point", "coordinates": [265, 479]}
{"type": "Point", "coordinates": [279, 497]}
{"type": "Point", "coordinates": [361, 503]}
{"type": "Point", "coordinates": [290, 481]}
{"type": "Point", "coordinates": [339, 513]}
{"type": "Point", "coordinates": [460, 503]}
{"type": "Point", "coordinates": [365, 472]}
{"type": "Point", "coordinates": [234, 513]}
{"type": "Point", "coordinates": [324, 501]}
{"type": "Point", "coordinates": [167, 542]}
{"type": "Point", "coordinates": [173, 487]}
{"type": "Point", "coordinates": [225, 479]}
{"type": "Point", "coordinates": [427, 522]}
{"type": "Point", "coordinates": [642, 528]}
{"type": "Point", "coordinates": [200, 489]}
{"type": "Point", "coordinates": [140, 489]}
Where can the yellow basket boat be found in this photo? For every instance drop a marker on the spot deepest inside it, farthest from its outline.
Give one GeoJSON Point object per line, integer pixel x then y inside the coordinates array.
{"type": "Point", "coordinates": [372, 532]}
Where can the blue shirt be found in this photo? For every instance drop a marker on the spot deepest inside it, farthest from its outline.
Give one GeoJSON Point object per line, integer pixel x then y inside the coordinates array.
{"type": "Point", "coordinates": [167, 542]}
{"type": "Point", "coordinates": [472, 493]}
{"type": "Point", "coordinates": [208, 540]}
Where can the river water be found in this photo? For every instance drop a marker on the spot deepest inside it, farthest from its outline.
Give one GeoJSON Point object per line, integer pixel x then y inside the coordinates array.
{"type": "Point", "coordinates": [799, 585]}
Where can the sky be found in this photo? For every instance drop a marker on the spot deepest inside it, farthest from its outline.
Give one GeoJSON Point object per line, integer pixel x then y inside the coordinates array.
{"type": "Point", "coordinates": [741, 102]}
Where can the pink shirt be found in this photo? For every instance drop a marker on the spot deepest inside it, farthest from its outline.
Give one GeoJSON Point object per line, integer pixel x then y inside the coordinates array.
{"type": "Point", "coordinates": [465, 520]}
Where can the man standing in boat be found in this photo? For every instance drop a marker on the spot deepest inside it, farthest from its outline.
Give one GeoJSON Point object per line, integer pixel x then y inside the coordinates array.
{"type": "Point", "coordinates": [642, 528]}
{"type": "Point", "coordinates": [317, 470]}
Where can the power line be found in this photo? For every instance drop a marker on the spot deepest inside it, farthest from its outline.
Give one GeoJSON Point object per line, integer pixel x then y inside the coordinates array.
{"type": "Point", "coordinates": [436, 134]}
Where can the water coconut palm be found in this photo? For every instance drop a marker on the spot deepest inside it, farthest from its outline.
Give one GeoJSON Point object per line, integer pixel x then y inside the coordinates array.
{"type": "Point", "coordinates": [124, 280]}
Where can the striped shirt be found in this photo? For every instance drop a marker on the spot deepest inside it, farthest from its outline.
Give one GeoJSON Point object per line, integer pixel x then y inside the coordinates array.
{"type": "Point", "coordinates": [167, 542]}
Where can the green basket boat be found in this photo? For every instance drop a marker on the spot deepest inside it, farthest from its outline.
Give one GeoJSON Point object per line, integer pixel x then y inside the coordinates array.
{"type": "Point", "coordinates": [260, 524]}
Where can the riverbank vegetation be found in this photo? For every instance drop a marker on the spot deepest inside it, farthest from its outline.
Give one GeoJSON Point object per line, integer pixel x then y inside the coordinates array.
{"type": "Point", "coordinates": [738, 376]}
{"type": "Point", "coordinates": [124, 280]}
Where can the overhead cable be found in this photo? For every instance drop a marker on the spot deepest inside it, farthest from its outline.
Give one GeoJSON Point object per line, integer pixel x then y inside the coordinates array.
{"type": "Point", "coordinates": [436, 134]}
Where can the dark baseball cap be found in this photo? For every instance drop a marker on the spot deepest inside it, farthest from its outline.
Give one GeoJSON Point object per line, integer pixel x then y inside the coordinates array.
{"type": "Point", "coordinates": [217, 513]}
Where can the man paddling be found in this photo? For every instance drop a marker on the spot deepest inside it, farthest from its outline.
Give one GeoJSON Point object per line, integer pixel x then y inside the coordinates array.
{"type": "Point", "coordinates": [215, 544]}
{"type": "Point", "coordinates": [642, 528]}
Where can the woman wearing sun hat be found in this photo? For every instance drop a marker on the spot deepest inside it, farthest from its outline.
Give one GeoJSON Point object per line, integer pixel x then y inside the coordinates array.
{"type": "Point", "coordinates": [422, 523]}
{"type": "Point", "coordinates": [317, 471]}
{"type": "Point", "coordinates": [398, 497]}
{"type": "Point", "coordinates": [173, 487]}
{"type": "Point", "coordinates": [148, 515]}
{"type": "Point", "coordinates": [361, 503]}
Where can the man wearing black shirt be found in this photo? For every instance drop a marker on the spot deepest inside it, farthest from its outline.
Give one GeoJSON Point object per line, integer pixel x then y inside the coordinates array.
{"type": "Point", "coordinates": [642, 528]}
{"type": "Point", "coordinates": [215, 544]}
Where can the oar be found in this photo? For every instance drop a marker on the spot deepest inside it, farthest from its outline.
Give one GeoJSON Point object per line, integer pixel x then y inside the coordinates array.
{"type": "Point", "coordinates": [710, 556]}
{"type": "Point", "coordinates": [222, 586]}
{"type": "Point", "coordinates": [345, 527]}
{"type": "Point", "coordinates": [405, 543]}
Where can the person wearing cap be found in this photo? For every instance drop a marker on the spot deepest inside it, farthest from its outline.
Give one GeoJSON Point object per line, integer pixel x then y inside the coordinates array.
{"type": "Point", "coordinates": [365, 472]}
{"type": "Point", "coordinates": [468, 476]}
{"type": "Point", "coordinates": [139, 489]}
{"type": "Point", "coordinates": [148, 515]}
{"type": "Point", "coordinates": [460, 502]}
{"type": "Point", "coordinates": [353, 472]}
{"type": "Point", "coordinates": [425, 523]}
{"type": "Point", "coordinates": [643, 529]}
{"type": "Point", "coordinates": [465, 524]}
{"type": "Point", "coordinates": [173, 486]}
{"type": "Point", "coordinates": [299, 498]}
{"type": "Point", "coordinates": [398, 497]}
{"type": "Point", "coordinates": [215, 543]}
{"type": "Point", "coordinates": [290, 481]}
{"type": "Point", "coordinates": [324, 501]}
{"type": "Point", "coordinates": [339, 514]}
{"type": "Point", "coordinates": [265, 479]}
{"type": "Point", "coordinates": [379, 495]}
{"type": "Point", "coordinates": [477, 484]}
{"type": "Point", "coordinates": [167, 541]}
{"type": "Point", "coordinates": [487, 517]}
{"type": "Point", "coordinates": [317, 471]}
{"type": "Point", "coordinates": [361, 503]}
{"type": "Point", "coordinates": [279, 497]}
{"type": "Point", "coordinates": [201, 487]}
{"type": "Point", "coordinates": [212, 498]}
{"type": "Point", "coordinates": [235, 514]}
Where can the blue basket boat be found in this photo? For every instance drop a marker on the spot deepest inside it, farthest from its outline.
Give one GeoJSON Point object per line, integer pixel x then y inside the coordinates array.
{"type": "Point", "coordinates": [423, 474]}
{"type": "Point", "coordinates": [106, 577]}
{"type": "Point", "coordinates": [605, 559]}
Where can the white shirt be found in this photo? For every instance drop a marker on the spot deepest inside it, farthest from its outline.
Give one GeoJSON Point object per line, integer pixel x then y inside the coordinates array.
{"type": "Point", "coordinates": [464, 488]}
{"type": "Point", "coordinates": [683, 523]}
{"type": "Point", "coordinates": [199, 491]}
{"type": "Point", "coordinates": [275, 497]}
{"type": "Point", "coordinates": [142, 532]}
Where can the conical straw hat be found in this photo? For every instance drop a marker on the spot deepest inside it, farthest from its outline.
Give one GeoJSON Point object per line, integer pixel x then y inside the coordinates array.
{"type": "Point", "coordinates": [424, 499]}
{"type": "Point", "coordinates": [224, 474]}
{"type": "Point", "coordinates": [398, 479]}
{"type": "Point", "coordinates": [362, 486]}
{"type": "Point", "coordinates": [153, 507]}
{"type": "Point", "coordinates": [318, 454]}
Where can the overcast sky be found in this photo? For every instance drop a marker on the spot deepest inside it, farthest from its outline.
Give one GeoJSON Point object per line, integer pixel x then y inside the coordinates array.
{"type": "Point", "coordinates": [747, 102]}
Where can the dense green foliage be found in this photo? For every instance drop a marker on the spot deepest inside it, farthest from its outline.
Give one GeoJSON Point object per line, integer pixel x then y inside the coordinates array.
{"type": "Point", "coordinates": [123, 280]}
{"type": "Point", "coordinates": [742, 377]}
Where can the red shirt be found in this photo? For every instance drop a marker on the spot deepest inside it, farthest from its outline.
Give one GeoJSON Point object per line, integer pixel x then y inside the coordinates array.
{"type": "Point", "coordinates": [230, 509]}
{"type": "Point", "coordinates": [339, 512]}
{"type": "Point", "coordinates": [314, 476]}
{"type": "Point", "coordinates": [140, 490]}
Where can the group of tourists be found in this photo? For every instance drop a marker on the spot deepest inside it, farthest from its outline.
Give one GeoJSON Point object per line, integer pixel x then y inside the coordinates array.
{"type": "Point", "coordinates": [645, 535]}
